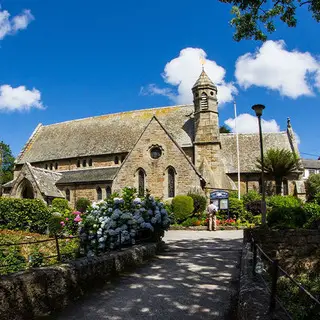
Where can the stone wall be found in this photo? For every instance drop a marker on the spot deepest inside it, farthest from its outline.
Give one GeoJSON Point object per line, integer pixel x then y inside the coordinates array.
{"type": "Point", "coordinates": [42, 291]}
{"type": "Point", "coordinates": [156, 170]}
{"type": "Point", "coordinates": [297, 249]}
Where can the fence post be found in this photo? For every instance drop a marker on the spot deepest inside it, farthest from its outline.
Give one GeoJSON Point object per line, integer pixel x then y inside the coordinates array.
{"type": "Point", "coordinates": [275, 273]}
{"type": "Point", "coordinates": [57, 247]}
{"type": "Point", "coordinates": [254, 258]}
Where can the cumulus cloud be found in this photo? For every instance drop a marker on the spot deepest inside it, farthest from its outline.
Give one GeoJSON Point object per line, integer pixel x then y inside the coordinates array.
{"type": "Point", "coordinates": [19, 98]}
{"type": "Point", "coordinates": [272, 66]}
{"type": "Point", "coordinates": [182, 72]}
{"type": "Point", "coordinates": [247, 123]}
{"type": "Point", "coordinates": [9, 26]}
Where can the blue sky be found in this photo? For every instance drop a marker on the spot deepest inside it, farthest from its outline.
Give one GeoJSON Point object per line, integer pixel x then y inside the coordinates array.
{"type": "Point", "coordinates": [91, 58]}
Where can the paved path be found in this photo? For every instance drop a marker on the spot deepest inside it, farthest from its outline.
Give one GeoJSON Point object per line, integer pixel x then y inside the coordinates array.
{"type": "Point", "coordinates": [196, 278]}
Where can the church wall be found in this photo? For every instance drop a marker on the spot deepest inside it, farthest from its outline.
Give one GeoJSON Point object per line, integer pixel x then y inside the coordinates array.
{"type": "Point", "coordinates": [157, 170]}
{"type": "Point", "coordinates": [209, 151]}
{"type": "Point", "coordinates": [189, 153]}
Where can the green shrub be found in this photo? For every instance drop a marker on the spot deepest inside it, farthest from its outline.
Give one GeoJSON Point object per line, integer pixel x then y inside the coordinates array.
{"type": "Point", "coordinates": [60, 205]}
{"type": "Point", "coordinates": [182, 207]}
{"type": "Point", "coordinates": [257, 219]}
{"type": "Point", "coordinates": [54, 224]}
{"type": "Point", "coordinates": [199, 202]}
{"type": "Point", "coordinates": [190, 222]}
{"type": "Point", "coordinates": [82, 204]}
{"type": "Point", "coordinates": [283, 201]}
{"type": "Point", "coordinates": [11, 260]}
{"type": "Point", "coordinates": [254, 207]}
{"type": "Point", "coordinates": [312, 186]}
{"type": "Point", "coordinates": [312, 213]}
{"type": "Point", "coordinates": [236, 208]}
{"type": "Point", "coordinates": [251, 196]}
{"type": "Point", "coordinates": [24, 214]}
{"type": "Point", "coordinates": [233, 194]}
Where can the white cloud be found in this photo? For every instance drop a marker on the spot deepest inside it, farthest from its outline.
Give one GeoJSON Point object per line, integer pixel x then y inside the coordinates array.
{"type": "Point", "coordinates": [183, 71]}
{"type": "Point", "coordinates": [9, 26]}
{"type": "Point", "coordinates": [292, 73]}
{"type": "Point", "coordinates": [247, 123]}
{"type": "Point", "coordinates": [14, 99]}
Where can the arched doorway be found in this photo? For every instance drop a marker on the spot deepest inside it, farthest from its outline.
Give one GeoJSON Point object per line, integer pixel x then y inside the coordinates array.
{"type": "Point", "coordinates": [26, 190]}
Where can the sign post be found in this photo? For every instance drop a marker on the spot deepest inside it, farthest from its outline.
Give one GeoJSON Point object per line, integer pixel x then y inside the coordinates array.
{"type": "Point", "coordinates": [221, 200]}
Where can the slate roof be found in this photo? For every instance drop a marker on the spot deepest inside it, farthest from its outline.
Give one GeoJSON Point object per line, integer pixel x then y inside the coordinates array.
{"type": "Point", "coordinates": [203, 80]}
{"type": "Point", "coordinates": [88, 175]}
{"type": "Point", "coordinates": [249, 149]}
{"type": "Point", "coordinates": [46, 181]}
{"type": "Point", "coordinates": [311, 164]}
{"type": "Point", "coordinates": [107, 134]}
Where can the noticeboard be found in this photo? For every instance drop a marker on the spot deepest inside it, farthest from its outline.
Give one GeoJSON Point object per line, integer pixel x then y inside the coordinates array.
{"type": "Point", "coordinates": [220, 199]}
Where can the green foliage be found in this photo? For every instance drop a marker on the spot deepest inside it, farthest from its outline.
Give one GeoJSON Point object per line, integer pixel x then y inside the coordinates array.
{"type": "Point", "coordinates": [182, 207]}
{"type": "Point", "coordinates": [254, 207]}
{"type": "Point", "coordinates": [236, 208]}
{"type": "Point", "coordinates": [191, 222]}
{"type": "Point", "coordinates": [60, 205]}
{"type": "Point", "coordinates": [312, 213]}
{"type": "Point", "coordinates": [251, 196]}
{"type": "Point", "coordinates": [11, 260]}
{"type": "Point", "coordinates": [256, 220]}
{"type": "Point", "coordinates": [278, 164]}
{"type": "Point", "coordinates": [233, 194]}
{"type": "Point", "coordinates": [36, 258]}
{"type": "Point", "coordinates": [313, 186]}
{"type": "Point", "coordinates": [254, 19]}
{"type": "Point", "coordinates": [82, 204]}
{"type": "Point", "coordinates": [55, 226]}
{"type": "Point", "coordinates": [199, 202]}
{"type": "Point", "coordinates": [285, 212]}
{"type": "Point", "coordinates": [6, 163]}
{"type": "Point", "coordinates": [24, 214]}
{"type": "Point", "coordinates": [224, 129]}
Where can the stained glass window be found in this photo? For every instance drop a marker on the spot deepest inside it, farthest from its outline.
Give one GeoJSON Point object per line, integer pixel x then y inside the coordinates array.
{"type": "Point", "coordinates": [171, 182]}
{"type": "Point", "coordinates": [108, 191]}
{"type": "Point", "coordinates": [141, 177]}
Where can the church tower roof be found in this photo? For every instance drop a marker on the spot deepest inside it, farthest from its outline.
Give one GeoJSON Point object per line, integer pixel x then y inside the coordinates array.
{"type": "Point", "coordinates": [203, 80]}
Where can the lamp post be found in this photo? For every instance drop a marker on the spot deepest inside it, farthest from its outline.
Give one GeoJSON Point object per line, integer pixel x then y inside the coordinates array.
{"type": "Point", "coordinates": [258, 108]}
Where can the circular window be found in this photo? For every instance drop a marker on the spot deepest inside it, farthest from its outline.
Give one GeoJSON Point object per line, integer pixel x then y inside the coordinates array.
{"type": "Point", "coordinates": [155, 153]}
{"type": "Point", "coordinates": [211, 92]}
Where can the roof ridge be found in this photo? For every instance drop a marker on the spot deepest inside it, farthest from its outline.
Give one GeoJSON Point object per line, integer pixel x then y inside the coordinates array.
{"type": "Point", "coordinates": [119, 113]}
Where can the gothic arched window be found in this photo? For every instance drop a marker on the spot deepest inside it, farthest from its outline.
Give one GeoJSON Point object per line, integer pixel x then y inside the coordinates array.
{"type": "Point", "coordinates": [141, 182]}
{"type": "Point", "coordinates": [84, 163]}
{"type": "Point", "coordinates": [116, 160]}
{"type": "Point", "coordinates": [78, 163]}
{"type": "Point", "coordinates": [68, 194]}
{"type": "Point", "coordinates": [204, 101]}
{"type": "Point", "coordinates": [90, 162]}
{"type": "Point", "coordinates": [51, 166]}
{"type": "Point", "coordinates": [108, 191]}
{"type": "Point", "coordinates": [99, 193]}
{"type": "Point", "coordinates": [56, 166]}
{"type": "Point", "coordinates": [171, 182]}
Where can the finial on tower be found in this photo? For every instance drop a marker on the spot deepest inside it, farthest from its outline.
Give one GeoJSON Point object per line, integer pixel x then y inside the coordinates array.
{"type": "Point", "coordinates": [202, 61]}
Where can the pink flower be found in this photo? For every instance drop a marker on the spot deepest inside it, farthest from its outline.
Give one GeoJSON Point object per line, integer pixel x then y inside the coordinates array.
{"type": "Point", "coordinates": [77, 218]}
{"type": "Point", "coordinates": [78, 213]}
{"type": "Point", "coordinates": [62, 223]}
{"type": "Point", "coordinates": [67, 219]}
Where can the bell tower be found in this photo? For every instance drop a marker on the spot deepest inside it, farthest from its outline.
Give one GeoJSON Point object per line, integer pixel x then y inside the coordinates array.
{"type": "Point", "coordinates": [206, 126]}
{"type": "Point", "coordinates": [206, 110]}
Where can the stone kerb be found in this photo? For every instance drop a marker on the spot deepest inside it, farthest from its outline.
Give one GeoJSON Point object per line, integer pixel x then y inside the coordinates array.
{"type": "Point", "coordinates": [42, 291]}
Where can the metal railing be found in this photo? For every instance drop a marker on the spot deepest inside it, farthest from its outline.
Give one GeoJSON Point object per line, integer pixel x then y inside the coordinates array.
{"type": "Point", "coordinates": [274, 273]}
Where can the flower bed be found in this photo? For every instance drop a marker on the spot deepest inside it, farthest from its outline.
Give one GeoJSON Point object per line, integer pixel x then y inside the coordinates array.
{"type": "Point", "coordinates": [118, 222]}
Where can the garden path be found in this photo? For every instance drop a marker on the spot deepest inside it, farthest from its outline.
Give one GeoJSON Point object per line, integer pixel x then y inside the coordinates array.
{"type": "Point", "coordinates": [195, 278]}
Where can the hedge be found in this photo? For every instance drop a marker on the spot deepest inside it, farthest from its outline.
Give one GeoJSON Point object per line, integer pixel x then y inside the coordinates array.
{"type": "Point", "coordinates": [182, 207]}
{"type": "Point", "coordinates": [24, 214]}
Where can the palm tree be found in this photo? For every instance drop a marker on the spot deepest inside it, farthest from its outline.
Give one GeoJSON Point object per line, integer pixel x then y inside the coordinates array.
{"type": "Point", "coordinates": [279, 164]}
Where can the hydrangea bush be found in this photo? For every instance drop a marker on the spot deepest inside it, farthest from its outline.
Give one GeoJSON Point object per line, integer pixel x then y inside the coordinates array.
{"type": "Point", "coordinates": [120, 221]}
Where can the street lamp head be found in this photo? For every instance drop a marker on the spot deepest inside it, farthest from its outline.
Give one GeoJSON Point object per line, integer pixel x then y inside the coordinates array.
{"type": "Point", "coordinates": [258, 109]}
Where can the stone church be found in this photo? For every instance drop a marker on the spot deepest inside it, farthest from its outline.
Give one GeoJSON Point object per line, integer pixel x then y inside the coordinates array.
{"type": "Point", "coordinates": [169, 151]}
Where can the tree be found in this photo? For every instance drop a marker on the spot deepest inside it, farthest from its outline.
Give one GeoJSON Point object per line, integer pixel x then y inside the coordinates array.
{"type": "Point", "coordinates": [253, 18]}
{"type": "Point", "coordinates": [224, 129]}
{"type": "Point", "coordinates": [313, 186]}
{"type": "Point", "coordinates": [279, 164]}
{"type": "Point", "coordinates": [6, 163]}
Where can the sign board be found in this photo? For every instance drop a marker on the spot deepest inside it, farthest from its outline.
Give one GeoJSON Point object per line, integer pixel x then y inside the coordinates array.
{"type": "Point", "coordinates": [220, 199]}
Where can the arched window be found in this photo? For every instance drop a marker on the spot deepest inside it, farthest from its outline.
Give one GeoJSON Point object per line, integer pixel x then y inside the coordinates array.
{"type": "Point", "coordinates": [84, 162]}
{"type": "Point", "coordinates": [108, 191]}
{"type": "Point", "coordinates": [99, 193]}
{"type": "Point", "coordinates": [46, 166]}
{"type": "Point", "coordinates": [116, 160]}
{"type": "Point", "coordinates": [51, 166]}
{"type": "Point", "coordinates": [141, 182]}
{"type": "Point", "coordinates": [78, 163]}
{"type": "Point", "coordinates": [90, 162]}
{"type": "Point", "coordinates": [285, 187]}
{"type": "Point", "coordinates": [171, 182]}
{"type": "Point", "coordinates": [204, 101]}
{"type": "Point", "coordinates": [56, 165]}
{"type": "Point", "coordinates": [68, 194]}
